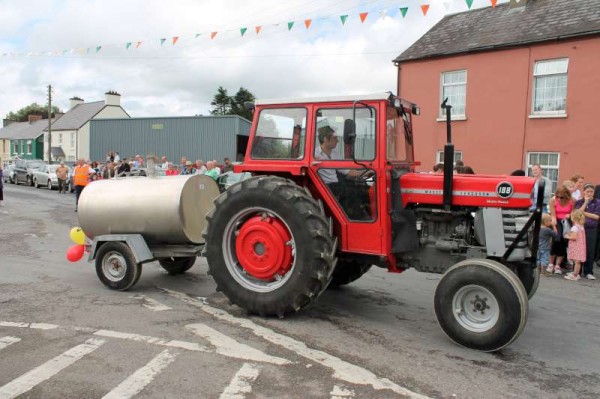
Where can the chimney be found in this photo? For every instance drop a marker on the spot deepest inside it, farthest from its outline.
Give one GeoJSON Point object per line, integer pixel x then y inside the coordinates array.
{"type": "Point", "coordinates": [112, 98]}
{"type": "Point", "coordinates": [73, 102]}
{"type": "Point", "coordinates": [33, 118]}
{"type": "Point", "coordinates": [517, 3]}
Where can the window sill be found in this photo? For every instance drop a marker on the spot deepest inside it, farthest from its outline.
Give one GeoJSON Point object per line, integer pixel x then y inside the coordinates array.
{"type": "Point", "coordinates": [454, 118]}
{"type": "Point", "coordinates": [547, 116]}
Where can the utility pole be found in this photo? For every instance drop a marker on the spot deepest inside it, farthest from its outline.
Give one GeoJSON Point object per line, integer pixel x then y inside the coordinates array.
{"type": "Point", "coordinates": [50, 124]}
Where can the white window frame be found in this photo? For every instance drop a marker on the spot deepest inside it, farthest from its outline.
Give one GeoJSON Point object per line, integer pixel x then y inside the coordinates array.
{"type": "Point", "coordinates": [462, 114]}
{"type": "Point", "coordinates": [543, 72]}
{"type": "Point", "coordinates": [546, 167]}
{"type": "Point", "coordinates": [60, 139]}
{"type": "Point", "coordinates": [29, 147]}
{"type": "Point", "coordinates": [17, 147]}
{"type": "Point", "coordinates": [439, 156]}
{"type": "Point", "coordinates": [72, 139]}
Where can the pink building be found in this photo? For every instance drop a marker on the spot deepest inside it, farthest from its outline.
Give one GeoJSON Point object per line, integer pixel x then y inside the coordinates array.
{"type": "Point", "coordinates": [524, 83]}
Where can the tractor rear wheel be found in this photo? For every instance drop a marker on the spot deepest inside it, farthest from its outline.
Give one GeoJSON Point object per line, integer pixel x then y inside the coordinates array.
{"type": "Point", "coordinates": [347, 271]}
{"type": "Point", "coordinates": [177, 265]}
{"type": "Point", "coordinates": [268, 246]}
{"type": "Point", "coordinates": [481, 304]}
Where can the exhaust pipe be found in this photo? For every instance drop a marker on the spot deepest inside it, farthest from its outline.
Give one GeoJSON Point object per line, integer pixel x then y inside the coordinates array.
{"type": "Point", "coordinates": [448, 157]}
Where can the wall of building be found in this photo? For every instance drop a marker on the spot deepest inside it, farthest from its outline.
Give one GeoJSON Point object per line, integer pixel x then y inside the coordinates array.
{"type": "Point", "coordinates": [4, 149]}
{"type": "Point", "coordinates": [498, 131]}
{"type": "Point", "coordinates": [213, 137]}
{"type": "Point", "coordinates": [36, 147]}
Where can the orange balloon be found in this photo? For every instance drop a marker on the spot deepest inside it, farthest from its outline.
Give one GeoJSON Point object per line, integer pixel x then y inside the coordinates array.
{"type": "Point", "coordinates": [75, 253]}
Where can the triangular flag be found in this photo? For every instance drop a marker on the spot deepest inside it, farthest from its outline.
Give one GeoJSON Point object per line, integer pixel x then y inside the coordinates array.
{"type": "Point", "coordinates": [493, 3]}
{"type": "Point", "coordinates": [162, 41]}
{"type": "Point", "coordinates": [175, 38]}
{"type": "Point", "coordinates": [65, 52]}
{"type": "Point", "coordinates": [257, 29]}
{"type": "Point", "coordinates": [448, 5]}
{"type": "Point", "coordinates": [363, 16]}
{"type": "Point", "coordinates": [403, 11]}
{"type": "Point", "coordinates": [382, 13]}
{"type": "Point", "coordinates": [469, 3]}
{"type": "Point", "coordinates": [343, 18]}
{"type": "Point", "coordinates": [213, 34]}
{"type": "Point", "coordinates": [197, 35]}
{"type": "Point", "coordinates": [127, 46]}
{"type": "Point", "coordinates": [307, 23]}
{"type": "Point", "coordinates": [290, 25]}
{"type": "Point", "coordinates": [425, 8]}
{"type": "Point", "coordinates": [138, 44]}
{"type": "Point", "coordinates": [243, 31]}
{"type": "Point", "coordinates": [98, 48]}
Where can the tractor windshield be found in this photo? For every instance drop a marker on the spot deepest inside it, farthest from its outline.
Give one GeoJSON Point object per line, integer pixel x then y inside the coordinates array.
{"type": "Point", "coordinates": [399, 135]}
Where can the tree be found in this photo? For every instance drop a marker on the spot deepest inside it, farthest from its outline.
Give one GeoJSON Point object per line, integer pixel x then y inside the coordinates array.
{"type": "Point", "coordinates": [221, 102]}
{"type": "Point", "coordinates": [32, 109]}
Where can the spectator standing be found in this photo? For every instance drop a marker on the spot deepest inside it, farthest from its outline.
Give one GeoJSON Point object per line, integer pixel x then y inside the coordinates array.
{"type": "Point", "coordinates": [117, 157]}
{"type": "Point", "coordinates": [164, 163]}
{"type": "Point", "coordinates": [189, 169]}
{"type": "Point", "coordinates": [171, 171]}
{"type": "Point", "coordinates": [576, 239]}
{"type": "Point", "coordinates": [62, 173]}
{"type": "Point", "coordinates": [183, 162]}
{"type": "Point", "coordinates": [591, 210]}
{"type": "Point", "coordinates": [109, 171]}
{"type": "Point", "coordinates": [438, 168]}
{"type": "Point", "coordinates": [227, 166]}
{"type": "Point", "coordinates": [518, 172]}
{"type": "Point", "coordinates": [81, 178]}
{"type": "Point", "coordinates": [1, 185]}
{"type": "Point", "coordinates": [561, 206]}
{"type": "Point", "coordinates": [217, 167]}
{"type": "Point", "coordinates": [578, 180]}
{"type": "Point", "coordinates": [212, 171]}
{"type": "Point", "coordinates": [200, 168]}
{"type": "Point", "coordinates": [547, 234]}
{"type": "Point", "coordinates": [536, 171]}
{"type": "Point", "coordinates": [123, 168]}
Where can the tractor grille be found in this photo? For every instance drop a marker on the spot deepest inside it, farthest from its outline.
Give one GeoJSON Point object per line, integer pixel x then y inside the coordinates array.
{"type": "Point", "coordinates": [513, 219]}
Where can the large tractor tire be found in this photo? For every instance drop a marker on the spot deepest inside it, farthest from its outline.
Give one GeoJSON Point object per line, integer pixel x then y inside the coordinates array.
{"type": "Point", "coordinates": [269, 246]}
{"type": "Point", "coordinates": [347, 271]}
{"type": "Point", "coordinates": [178, 265]}
{"type": "Point", "coordinates": [481, 304]}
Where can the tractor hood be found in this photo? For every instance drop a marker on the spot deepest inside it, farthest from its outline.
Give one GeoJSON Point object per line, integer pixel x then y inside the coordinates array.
{"type": "Point", "coordinates": [468, 190]}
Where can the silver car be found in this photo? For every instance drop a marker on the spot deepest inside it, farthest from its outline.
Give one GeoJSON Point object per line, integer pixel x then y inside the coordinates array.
{"type": "Point", "coordinates": [9, 173]}
{"type": "Point", "coordinates": [45, 176]}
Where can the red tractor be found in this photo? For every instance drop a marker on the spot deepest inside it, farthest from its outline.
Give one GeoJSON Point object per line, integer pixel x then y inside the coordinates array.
{"type": "Point", "coordinates": [334, 192]}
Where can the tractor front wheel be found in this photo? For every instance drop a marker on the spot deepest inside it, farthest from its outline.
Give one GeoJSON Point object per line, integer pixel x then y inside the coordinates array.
{"type": "Point", "coordinates": [268, 246]}
{"type": "Point", "coordinates": [347, 271]}
{"type": "Point", "coordinates": [481, 304]}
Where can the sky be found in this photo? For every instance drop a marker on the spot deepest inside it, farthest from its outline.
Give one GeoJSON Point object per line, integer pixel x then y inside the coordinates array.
{"type": "Point", "coordinates": [55, 42]}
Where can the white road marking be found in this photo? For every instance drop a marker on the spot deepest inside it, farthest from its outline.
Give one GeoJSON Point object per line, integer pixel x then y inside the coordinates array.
{"type": "Point", "coordinates": [240, 384]}
{"type": "Point", "coordinates": [5, 341]}
{"type": "Point", "coordinates": [342, 370]}
{"type": "Point", "coordinates": [41, 373]}
{"type": "Point", "coordinates": [152, 340]}
{"type": "Point", "coordinates": [37, 326]}
{"type": "Point", "coordinates": [341, 393]}
{"type": "Point", "coordinates": [227, 346]}
{"type": "Point", "coordinates": [136, 382]}
{"type": "Point", "coordinates": [151, 303]}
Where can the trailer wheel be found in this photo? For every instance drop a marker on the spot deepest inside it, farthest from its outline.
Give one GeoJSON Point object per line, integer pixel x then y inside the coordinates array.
{"type": "Point", "coordinates": [481, 304]}
{"type": "Point", "coordinates": [177, 265]}
{"type": "Point", "coordinates": [116, 266]}
{"type": "Point", "coordinates": [347, 271]}
{"type": "Point", "coordinates": [268, 246]}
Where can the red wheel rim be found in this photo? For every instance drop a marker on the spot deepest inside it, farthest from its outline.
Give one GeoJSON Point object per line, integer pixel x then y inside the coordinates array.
{"type": "Point", "coordinates": [263, 247]}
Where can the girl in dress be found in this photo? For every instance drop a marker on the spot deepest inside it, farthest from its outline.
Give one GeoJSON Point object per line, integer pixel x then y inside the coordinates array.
{"type": "Point", "coordinates": [576, 250]}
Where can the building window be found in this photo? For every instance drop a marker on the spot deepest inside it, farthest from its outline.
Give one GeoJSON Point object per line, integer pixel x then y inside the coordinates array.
{"type": "Point", "coordinates": [454, 88]}
{"type": "Point", "coordinates": [549, 162]}
{"type": "Point", "coordinates": [16, 147]}
{"type": "Point", "coordinates": [550, 87]}
{"type": "Point", "coordinates": [60, 142]}
{"type": "Point", "coordinates": [28, 146]}
{"type": "Point", "coordinates": [458, 156]}
{"type": "Point", "coordinates": [73, 140]}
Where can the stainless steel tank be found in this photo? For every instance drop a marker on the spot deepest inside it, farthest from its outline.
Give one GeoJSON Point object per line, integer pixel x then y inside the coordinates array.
{"type": "Point", "coordinates": [169, 209]}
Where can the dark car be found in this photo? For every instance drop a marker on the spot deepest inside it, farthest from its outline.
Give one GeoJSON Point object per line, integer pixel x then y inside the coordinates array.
{"type": "Point", "coordinates": [24, 170]}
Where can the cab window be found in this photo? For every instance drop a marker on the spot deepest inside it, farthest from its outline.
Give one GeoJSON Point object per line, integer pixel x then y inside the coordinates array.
{"type": "Point", "coordinates": [280, 134]}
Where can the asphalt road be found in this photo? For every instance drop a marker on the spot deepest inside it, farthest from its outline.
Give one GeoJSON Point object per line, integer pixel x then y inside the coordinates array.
{"type": "Point", "coordinates": [64, 335]}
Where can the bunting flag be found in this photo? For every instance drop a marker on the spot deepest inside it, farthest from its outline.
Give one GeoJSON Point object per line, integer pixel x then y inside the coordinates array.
{"type": "Point", "coordinates": [212, 35]}
{"type": "Point", "coordinates": [127, 45]}
{"type": "Point", "coordinates": [382, 13]}
{"type": "Point", "coordinates": [64, 52]}
{"type": "Point", "coordinates": [198, 35]}
{"type": "Point", "coordinates": [403, 11]}
{"type": "Point", "coordinates": [363, 16]}
{"type": "Point", "coordinates": [243, 31]}
{"type": "Point", "coordinates": [138, 44]}
{"type": "Point", "coordinates": [162, 41]}
{"type": "Point", "coordinates": [81, 51]}
{"type": "Point", "coordinates": [307, 23]}
{"type": "Point", "coordinates": [494, 3]}
{"type": "Point", "coordinates": [290, 25]}
{"type": "Point", "coordinates": [469, 3]}
{"type": "Point", "coordinates": [425, 8]}
{"type": "Point", "coordinates": [98, 48]}
{"type": "Point", "coordinates": [343, 18]}
{"type": "Point", "coordinates": [174, 40]}
{"type": "Point", "coordinates": [257, 29]}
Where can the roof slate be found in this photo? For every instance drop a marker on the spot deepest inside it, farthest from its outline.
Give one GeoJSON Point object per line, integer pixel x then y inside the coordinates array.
{"type": "Point", "coordinates": [78, 116]}
{"type": "Point", "coordinates": [490, 28]}
{"type": "Point", "coordinates": [25, 130]}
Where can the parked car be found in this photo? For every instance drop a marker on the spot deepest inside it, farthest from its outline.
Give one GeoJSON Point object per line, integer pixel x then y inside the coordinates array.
{"type": "Point", "coordinates": [45, 176]}
{"type": "Point", "coordinates": [228, 179]}
{"type": "Point", "coordinates": [24, 170]}
{"type": "Point", "coordinates": [9, 173]}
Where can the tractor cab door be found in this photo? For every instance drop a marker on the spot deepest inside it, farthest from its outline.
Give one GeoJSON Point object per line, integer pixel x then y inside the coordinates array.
{"type": "Point", "coordinates": [344, 169]}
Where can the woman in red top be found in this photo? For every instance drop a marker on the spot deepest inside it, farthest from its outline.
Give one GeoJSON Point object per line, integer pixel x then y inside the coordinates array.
{"type": "Point", "coordinates": [171, 171]}
{"type": "Point", "coordinates": [560, 206]}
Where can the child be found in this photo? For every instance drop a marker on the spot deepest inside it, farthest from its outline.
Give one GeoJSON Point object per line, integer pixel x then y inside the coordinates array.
{"type": "Point", "coordinates": [576, 250]}
{"type": "Point", "coordinates": [547, 233]}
